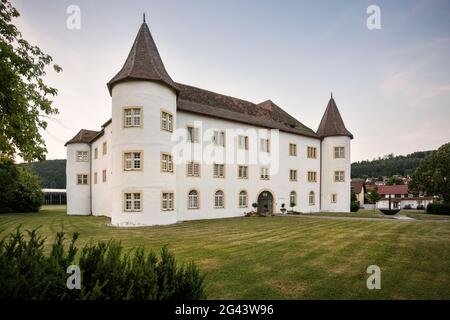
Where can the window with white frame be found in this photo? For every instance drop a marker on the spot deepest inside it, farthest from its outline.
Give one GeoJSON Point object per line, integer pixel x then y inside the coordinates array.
{"type": "Point", "coordinates": [265, 145]}
{"type": "Point", "coordinates": [312, 176]}
{"type": "Point", "coordinates": [95, 177]}
{"type": "Point", "coordinates": [132, 161]}
{"type": "Point", "coordinates": [132, 201]}
{"type": "Point", "coordinates": [82, 179]}
{"type": "Point", "coordinates": [219, 138]}
{"type": "Point", "coordinates": [193, 169]}
{"type": "Point", "coordinates": [243, 199]}
{"type": "Point", "coordinates": [167, 202]}
{"type": "Point", "coordinates": [105, 148]}
{"type": "Point", "coordinates": [339, 152]}
{"type": "Point", "coordinates": [243, 172]}
{"type": "Point", "coordinates": [243, 142]}
{"type": "Point", "coordinates": [82, 156]}
{"type": "Point", "coordinates": [104, 176]}
{"type": "Point", "coordinates": [265, 173]}
{"type": "Point", "coordinates": [219, 170]}
{"type": "Point", "coordinates": [312, 198]}
{"type": "Point", "coordinates": [96, 153]}
{"type": "Point", "coordinates": [293, 199]}
{"type": "Point", "coordinates": [192, 134]}
{"type": "Point", "coordinates": [292, 149]}
{"type": "Point", "coordinates": [293, 175]}
{"type": "Point", "coordinates": [193, 202]}
{"type": "Point", "coordinates": [219, 199]}
{"type": "Point", "coordinates": [132, 117]}
{"type": "Point", "coordinates": [312, 153]}
{"type": "Point", "coordinates": [339, 176]}
{"type": "Point", "coordinates": [166, 121]}
{"type": "Point", "coordinates": [166, 162]}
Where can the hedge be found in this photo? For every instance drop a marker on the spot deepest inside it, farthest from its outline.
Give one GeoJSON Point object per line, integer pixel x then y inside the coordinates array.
{"type": "Point", "coordinates": [438, 208]}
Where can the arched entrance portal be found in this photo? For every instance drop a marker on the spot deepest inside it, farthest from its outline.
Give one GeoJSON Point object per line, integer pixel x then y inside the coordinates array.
{"type": "Point", "coordinates": [265, 203]}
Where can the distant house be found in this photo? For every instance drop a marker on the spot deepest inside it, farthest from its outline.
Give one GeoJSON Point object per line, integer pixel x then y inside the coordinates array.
{"type": "Point", "coordinates": [359, 188]}
{"type": "Point", "coordinates": [400, 197]}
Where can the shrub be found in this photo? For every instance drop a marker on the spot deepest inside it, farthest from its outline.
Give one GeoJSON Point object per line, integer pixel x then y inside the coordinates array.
{"type": "Point", "coordinates": [106, 271]}
{"type": "Point", "coordinates": [420, 207]}
{"type": "Point", "coordinates": [20, 189]}
{"type": "Point", "coordinates": [438, 208]}
{"type": "Point", "coordinates": [407, 207]}
{"type": "Point", "coordinates": [354, 207]}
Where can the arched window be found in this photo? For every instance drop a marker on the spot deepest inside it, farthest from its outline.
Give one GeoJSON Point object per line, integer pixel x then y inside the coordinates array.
{"type": "Point", "coordinates": [293, 199]}
{"type": "Point", "coordinates": [243, 202]}
{"type": "Point", "coordinates": [219, 199]}
{"type": "Point", "coordinates": [193, 202]}
{"type": "Point", "coordinates": [312, 198]}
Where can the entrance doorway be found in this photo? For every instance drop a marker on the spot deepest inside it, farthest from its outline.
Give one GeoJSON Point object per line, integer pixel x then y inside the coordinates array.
{"type": "Point", "coordinates": [265, 203]}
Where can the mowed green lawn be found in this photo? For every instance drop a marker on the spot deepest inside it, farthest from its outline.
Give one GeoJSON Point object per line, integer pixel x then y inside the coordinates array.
{"type": "Point", "coordinates": [285, 257]}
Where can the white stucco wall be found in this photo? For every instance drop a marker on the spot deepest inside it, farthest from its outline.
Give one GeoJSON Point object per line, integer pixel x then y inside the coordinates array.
{"type": "Point", "coordinates": [149, 139]}
{"type": "Point", "coordinates": [279, 184]}
{"type": "Point", "coordinates": [78, 196]}
{"type": "Point", "coordinates": [329, 165]}
{"type": "Point", "coordinates": [101, 191]}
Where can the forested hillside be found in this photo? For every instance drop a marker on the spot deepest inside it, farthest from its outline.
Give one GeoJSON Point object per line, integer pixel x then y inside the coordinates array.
{"type": "Point", "coordinates": [52, 173]}
{"type": "Point", "coordinates": [388, 165]}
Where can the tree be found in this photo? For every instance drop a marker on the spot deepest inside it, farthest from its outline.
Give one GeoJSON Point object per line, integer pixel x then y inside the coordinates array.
{"type": "Point", "coordinates": [373, 196]}
{"type": "Point", "coordinates": [432, 176]}
{"type": "Point", "coordinates": [20, 189]}
{"type": "Point", "coordinates": [25, 100]}
{"type": "Point", "coordinates": [394, 181]}
{"type": "Point", "coordinates": [354, 204]}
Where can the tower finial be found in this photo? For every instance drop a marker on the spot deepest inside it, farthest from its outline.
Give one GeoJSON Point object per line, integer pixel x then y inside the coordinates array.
{"type": "Point", "coordinates": [331, 94]}
{"type": "Point", "coordinates": [144, 17]}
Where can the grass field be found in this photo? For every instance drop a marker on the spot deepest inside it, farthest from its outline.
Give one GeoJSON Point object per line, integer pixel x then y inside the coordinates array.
{"type": "Point", "coordinates": [285, 257]}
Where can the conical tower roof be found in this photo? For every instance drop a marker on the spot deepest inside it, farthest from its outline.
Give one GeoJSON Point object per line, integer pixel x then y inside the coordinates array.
{"type": "Point", "coordinates": [143, 62]}
{"type": "Point", "coordinates": [332, 123]}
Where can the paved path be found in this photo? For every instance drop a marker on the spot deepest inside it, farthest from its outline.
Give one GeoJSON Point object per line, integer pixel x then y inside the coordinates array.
{"type": "Point", "coordinates": [393, 218]}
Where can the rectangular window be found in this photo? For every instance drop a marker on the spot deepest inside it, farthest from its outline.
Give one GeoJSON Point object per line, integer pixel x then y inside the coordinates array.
{"type": "Point", "coordinates": [166, 162]}
{"type": "Point", "coordinates": [104, 175]}
{"type": "Point", "coordinates": [219, 170]}
{"type": "Point", "coordinates": [82, 179]}
{"type": "Point", "coordinates": [96, 153]}
{"type": "Point", "coordinates": [243, 172]}
{"type": "Point", "coordinates": [334, 198]}
{"type": "Point", "coordinates": [312, 176]}
{"type": "Point", "coordinates": [192, 134]}
{"type": "Point", "coordinates": [95, 178]}
{"type": "Point", "coordinates": [292, 149]}
{"type": "Point", "coordinates": [132, 117]}
{"type": "Point", "coordinates": [132, 161]}
{"type": "Point", "coordinates": [339, 152]}
{"type": "Point", "coordinates": [105, 149]}
{"type": "Point", "coordinates": [265, 145]}
{"type": "Point", "coordinates": [339, 176]}
{"type": "Point", "coordinates": [166, 121]}
{"type": "Point", "coordinates": [312, 153]}
{"type": "Point", "coordinates": [132, 201]}
{"type": "Point", "coordinates": [265, 174]}
{"type": "Point", "coordinates": [82, 156]}
{"type": "Point", "coordinates": [167, 201]}
{"type": "Point", "coordinates": [219, 138]}
{"type": "Point", "coordinates": [293, 175]}
{"type": "Point", "coordinates": [193, 169]}
{"type": "Point", "coordinates": [243, 142]}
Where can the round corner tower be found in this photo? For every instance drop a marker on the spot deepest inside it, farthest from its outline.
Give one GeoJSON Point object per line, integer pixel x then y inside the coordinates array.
{"type": "Point", "coordinates": [335, 161]}
{"type": "Point", "coordinates": [144, 103]}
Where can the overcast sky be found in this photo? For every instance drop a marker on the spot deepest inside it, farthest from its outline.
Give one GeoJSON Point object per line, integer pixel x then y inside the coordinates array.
{"type": "Point", "coordinates": [392, 85]}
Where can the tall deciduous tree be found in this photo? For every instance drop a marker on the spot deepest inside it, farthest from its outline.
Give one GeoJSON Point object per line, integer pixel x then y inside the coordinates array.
{"type": "Point", "coordinates": [432, 176]}
{"type": "Point", "coordinates": [25, 100]}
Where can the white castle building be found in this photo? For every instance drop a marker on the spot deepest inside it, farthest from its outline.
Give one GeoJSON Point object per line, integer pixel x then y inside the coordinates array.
{"type": "Point", "coordinates": [173, 152]}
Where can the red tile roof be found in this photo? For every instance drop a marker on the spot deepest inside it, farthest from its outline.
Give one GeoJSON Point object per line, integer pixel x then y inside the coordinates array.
{"type": "Point", "coordinates": [398, 189]}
